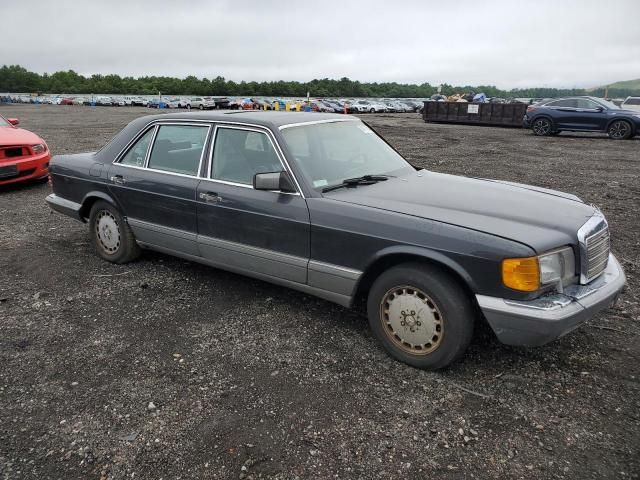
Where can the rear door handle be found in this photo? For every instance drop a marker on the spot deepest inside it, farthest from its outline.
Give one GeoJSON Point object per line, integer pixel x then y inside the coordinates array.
{"type": "Point", "coordinates": [118, 179]}
{"type": "Point", "coordinates": [210, 197]}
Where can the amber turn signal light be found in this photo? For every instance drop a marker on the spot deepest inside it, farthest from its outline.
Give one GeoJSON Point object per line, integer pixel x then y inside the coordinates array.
{"type": "Point", "coordinates": [521, 273]}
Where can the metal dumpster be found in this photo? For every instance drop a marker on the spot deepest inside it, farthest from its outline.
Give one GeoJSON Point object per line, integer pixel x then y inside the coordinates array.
{"type": "Point", "coordinates": [500, 114]}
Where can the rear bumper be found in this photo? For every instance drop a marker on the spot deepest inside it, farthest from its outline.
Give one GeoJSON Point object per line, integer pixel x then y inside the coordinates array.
{"type": "Point", "coordinates": [525, 122]}
{"type": "Point", "coordinates": [30, 168]}
{"type": "Point", "coordinates": [537, 322]}
{"type": "Point", "coordinates": [65, 207]}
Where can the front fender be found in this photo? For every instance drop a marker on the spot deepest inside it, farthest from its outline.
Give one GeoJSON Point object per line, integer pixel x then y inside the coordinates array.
{"type": "Point", "coordinates": [424, 253]}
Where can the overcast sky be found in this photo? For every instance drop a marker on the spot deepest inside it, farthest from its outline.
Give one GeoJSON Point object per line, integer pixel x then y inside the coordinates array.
{"type": "Point", "coordinates": [510, 43]}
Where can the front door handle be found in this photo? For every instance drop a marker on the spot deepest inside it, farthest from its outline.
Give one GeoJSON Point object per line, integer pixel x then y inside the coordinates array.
{"type": "Point", "coordinates": [210, 197]}
{"type": "Point", "coordinates": [118, 179]}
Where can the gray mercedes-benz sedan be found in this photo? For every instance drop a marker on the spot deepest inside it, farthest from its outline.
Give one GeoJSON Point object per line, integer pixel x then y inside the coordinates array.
{"type": "Point", "coordinates": [323, 204]}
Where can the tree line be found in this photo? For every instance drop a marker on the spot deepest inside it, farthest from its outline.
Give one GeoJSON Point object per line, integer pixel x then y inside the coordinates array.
{"type": "Point", "coordinates": [17, 79]}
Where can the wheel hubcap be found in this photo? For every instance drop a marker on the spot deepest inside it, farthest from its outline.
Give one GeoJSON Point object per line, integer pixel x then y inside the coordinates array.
{"type": "Point", "coordinates": [541, 127]}
{"type": "Point", "coordinates": [618, 130]}
{"type": "Point", "coordinates": [108, 232]}
{"type": "Point", "coordinates": [411, 319]}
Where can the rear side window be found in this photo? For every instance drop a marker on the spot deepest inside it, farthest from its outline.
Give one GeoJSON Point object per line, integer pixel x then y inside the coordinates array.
{"type": "Point", "coordinates": [239, 154]}
{"type": "Point", "coordinates": [178, 148]}
{"type": "Point", "coordinates": [632, 101]}
{"type": "Point", "coordinates": [138, 152]}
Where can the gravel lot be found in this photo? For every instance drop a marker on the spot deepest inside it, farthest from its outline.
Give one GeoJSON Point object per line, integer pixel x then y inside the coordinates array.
{"type": "Point", "coordinates": [167, 369]}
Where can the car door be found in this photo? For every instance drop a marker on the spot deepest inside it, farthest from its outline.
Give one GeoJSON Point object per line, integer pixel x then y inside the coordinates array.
{"type": "Point", "coordinates": [591, 115]}
{"type": "Point", "coordinates": [564, 113]}
{"type": "Point", "coordinates": [155, 181]}
{"type": "Point", "coordinates": [253, 231]}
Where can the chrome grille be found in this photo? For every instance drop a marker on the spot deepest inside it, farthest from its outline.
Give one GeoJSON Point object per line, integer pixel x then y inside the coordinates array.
{"type": "Point", "coordinates": [597, 253]}
{"type": "Point", "coordinates": [593, 237]}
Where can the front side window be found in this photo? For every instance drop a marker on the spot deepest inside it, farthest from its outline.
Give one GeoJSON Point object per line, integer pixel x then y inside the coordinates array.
{"type": "Point", "coordinates": [138, 152]}
{"type": "Point", "coordinates": [239, 154]}
{"type": "Point", "coordinates": [586, 103]}
{"type": "Point", "coordinates": [329, 153]}
{"type": "Point", "coordinates": [178, 148]}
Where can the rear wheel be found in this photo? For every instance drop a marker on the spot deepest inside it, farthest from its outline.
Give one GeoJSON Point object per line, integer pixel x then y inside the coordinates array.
{"type": "Point", "coordinates": [201, 107]}
{"type": "Point", "coordinates": [542, 127]}
{"type": "Point", "coordinates": [111, 235]}
{"type": "Point", "coordinates": [620, 130]}
{"type": "Point", "coordinates": [421, 315]}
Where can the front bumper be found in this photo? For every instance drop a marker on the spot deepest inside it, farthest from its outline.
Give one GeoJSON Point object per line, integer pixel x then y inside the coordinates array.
{"type": "Point", "coordinates": [537, 322]}
{"type": "Point", "coordinates": [30, 168]}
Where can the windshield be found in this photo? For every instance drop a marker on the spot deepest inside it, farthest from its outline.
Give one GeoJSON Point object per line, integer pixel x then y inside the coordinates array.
{"type": "Point", "coordinates": [608, 104]}
{"type": "Point", "coordinates": [329, 153]}
{"type": "Point", "coordinates": [3, 122]}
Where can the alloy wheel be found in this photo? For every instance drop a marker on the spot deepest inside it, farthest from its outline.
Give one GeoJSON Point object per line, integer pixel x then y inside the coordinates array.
{"type": "Point", "coordinates": [619, 129]}
{"type": "Point", "coordinates": [542, 127]}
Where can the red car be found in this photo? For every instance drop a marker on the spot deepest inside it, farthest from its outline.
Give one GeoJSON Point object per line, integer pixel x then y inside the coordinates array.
{"type": "Point", "coordinates": [24, 156]}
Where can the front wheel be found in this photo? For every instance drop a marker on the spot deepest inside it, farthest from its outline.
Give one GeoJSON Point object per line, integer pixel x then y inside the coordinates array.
{"type": "Point", "coordinates": [619, 130]}
{"type": "Point", "coordinates": [111, 235]}
{"type": "Point", "coordinates": [542, 127]}
{"type": "Point", "coordinates": [421, 315]}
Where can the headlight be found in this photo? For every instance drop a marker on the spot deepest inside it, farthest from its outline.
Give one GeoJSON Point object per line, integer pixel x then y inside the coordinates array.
{"type": "Point", "coordinates": [39, 148]}
{"type": "Point", "coordinates": [531, 273]}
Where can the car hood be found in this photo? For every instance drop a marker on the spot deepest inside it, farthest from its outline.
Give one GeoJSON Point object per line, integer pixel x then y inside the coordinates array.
{"type": "Point", "coordinates": [624, 112]}
{"type": "Point", "coordinates": [17, 136]}
{"type": "Point", "coordinates": [540, 218]}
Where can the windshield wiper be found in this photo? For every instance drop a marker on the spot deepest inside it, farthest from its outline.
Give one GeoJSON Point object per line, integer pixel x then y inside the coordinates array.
{"type": "Point", "coordinates": [363, 180]}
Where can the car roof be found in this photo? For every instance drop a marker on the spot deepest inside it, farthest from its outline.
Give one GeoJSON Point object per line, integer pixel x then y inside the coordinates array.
{"type": "Point", "coordinates": [271, 119]}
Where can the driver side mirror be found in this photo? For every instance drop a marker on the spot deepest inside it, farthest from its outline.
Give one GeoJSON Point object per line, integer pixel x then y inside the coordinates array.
{"type": "Point", "coordinates": [599, 109]}
{"type": "Point", "coordinates": [13, 121]}
{"type": "Point", "coordinates": [279, 181]}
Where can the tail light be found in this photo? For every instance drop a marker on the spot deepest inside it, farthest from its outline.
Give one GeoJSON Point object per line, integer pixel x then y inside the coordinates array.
{"type": "Point", "coordinates": [50, 180]}
{"type": "Point", "coordinates": [530, 108]}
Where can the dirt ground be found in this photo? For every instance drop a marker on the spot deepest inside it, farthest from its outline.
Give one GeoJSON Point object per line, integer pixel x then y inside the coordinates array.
{"type": "Point", "coordinates": [167, 369]}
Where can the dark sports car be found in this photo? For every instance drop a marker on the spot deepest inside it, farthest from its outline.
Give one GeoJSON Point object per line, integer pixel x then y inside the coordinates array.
{"type": "Point", "coordinates": [321, 203]}
{"type": "Point", "coordinates": [582, 114]}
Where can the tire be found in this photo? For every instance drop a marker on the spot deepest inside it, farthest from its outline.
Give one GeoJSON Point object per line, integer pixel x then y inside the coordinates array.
{"type": "Point", "coordinates": [201, 107]}
{"type": "Point", "coordinates": [188, 106]}
{"type": "Point", "coordinates": [111, 235]}
{"type": "Point", "coordinates": [425, 305]}
{"type": "Point", "coordinates": [620, 130]}
{"type": "Point", "coordinates": [373, 110]}
{"type": "Point", "coordinates": [542, 127]}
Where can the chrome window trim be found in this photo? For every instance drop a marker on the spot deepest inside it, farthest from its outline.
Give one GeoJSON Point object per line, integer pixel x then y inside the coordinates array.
{"type": "Point", "coordinates": [156, 124]}
{"type": "Point", "coordinates": [318, 122]}
{"type": "Point", "coordinates": [204, 147]}
{"type": "Point", "coordinates": [276, 148]}
{"type": "Point", "coordinates": [150, 146]}
{"type": "Point", "coordinates": [216, 123]}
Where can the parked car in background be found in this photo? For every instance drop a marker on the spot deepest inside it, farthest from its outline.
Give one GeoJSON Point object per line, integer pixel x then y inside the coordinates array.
{"type": "Point", "coordinates": [631, 103]}
{"type": "Point", "coordinates": [581, 114]}
{"type": "Point", "coordinates": [24, 156]}
{"type": "Point", "coordinates": [341, 215]}
{"type": "Point", "coordinates": [66, 101]}
{"type": "Point", "coordinates": [199, 103]}
{"type": "Point", "coordinates": [79, 101]}
{"type": "Point", "coordinates": [104, 101]}
{"type": "Point", "coordinates": [118, 102]}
